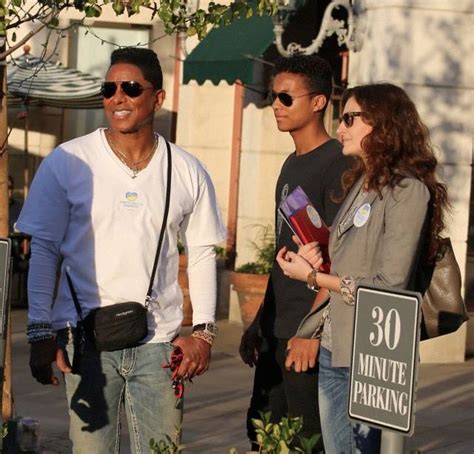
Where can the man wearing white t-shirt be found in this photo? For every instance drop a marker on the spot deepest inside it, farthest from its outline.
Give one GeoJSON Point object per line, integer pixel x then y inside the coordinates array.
{"type": "Point", "coordinates": [96, 207]}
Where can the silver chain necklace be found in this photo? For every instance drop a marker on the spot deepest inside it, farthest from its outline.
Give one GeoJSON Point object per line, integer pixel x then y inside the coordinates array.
{"type": "Point", "coordinates": [124, 158]}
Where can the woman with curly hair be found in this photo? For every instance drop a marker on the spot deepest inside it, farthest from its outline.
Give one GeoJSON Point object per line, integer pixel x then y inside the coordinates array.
{"type": "Point", "coordinates": [393, 215]}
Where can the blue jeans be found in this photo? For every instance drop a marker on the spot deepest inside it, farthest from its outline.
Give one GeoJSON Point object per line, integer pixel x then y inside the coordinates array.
{"type": "Point", "coordinates": [340, 436]}
{"type": "Point", "coordinates": [132, 376]}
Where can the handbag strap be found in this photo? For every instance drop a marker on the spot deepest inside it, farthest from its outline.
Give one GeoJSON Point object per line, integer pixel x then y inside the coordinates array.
{"type": "Point", "coordinates": [158, 250]}
{"type": "Point", "coordinates": [163, 226]}
{"type": "Point", "coordinates": [74, 296]}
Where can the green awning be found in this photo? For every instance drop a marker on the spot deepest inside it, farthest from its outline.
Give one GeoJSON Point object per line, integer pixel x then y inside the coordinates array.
{"type": "Point", "coordinates": [227, 53]}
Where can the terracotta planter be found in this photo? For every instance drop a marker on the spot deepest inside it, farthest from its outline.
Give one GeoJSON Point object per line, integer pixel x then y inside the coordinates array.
{"type": "Point", "coordinates": [184, 284]}
{"type": "Point", "coordinates": [250, 290]}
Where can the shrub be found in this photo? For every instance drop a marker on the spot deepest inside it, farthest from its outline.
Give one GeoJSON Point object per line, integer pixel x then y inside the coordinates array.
{"type": "Point", "coordinates": [264, 246]}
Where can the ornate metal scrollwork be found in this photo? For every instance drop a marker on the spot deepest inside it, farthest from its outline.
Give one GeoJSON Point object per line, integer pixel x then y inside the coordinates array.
{"type": "Point", "coordinates": [348, 32]}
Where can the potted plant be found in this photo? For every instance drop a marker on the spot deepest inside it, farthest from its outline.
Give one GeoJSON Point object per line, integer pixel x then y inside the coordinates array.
{"type": "Point", "coordinates": [250, 279]}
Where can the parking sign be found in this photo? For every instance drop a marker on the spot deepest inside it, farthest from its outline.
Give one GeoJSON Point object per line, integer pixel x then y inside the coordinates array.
{"type": "Point", "coordinates": [385, 358]}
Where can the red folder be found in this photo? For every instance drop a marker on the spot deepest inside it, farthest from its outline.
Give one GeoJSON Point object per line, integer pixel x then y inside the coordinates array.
{"type": "Point", "coordinates": [307, 225]}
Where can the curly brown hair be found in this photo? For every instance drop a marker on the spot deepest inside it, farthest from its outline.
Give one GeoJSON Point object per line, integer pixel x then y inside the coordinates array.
{"type": "Point", "coordinates": [398, 146]}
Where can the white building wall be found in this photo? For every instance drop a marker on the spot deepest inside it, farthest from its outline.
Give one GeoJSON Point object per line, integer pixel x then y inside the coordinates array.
{"type": "Point", "coordinates": [425, 46]}
{"type": "Point", "coordinates": [205, 129]}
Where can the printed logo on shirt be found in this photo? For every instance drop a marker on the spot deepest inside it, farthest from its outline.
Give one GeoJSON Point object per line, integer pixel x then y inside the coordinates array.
{"type": "Point", "coordinates": [131, 201]}
{"type": "Point", "coordinates": [131, 196]}
{"type": "Point", "coordinates": [362, 215]}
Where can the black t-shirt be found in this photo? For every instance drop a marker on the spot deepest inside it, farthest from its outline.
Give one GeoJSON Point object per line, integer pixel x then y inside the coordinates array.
{"type": "Point", "coordinates": [319, 173]}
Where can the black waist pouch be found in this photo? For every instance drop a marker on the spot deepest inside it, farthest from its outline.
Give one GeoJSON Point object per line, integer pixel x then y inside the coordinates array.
{"type": "Point", "coordinates": [122, 325]}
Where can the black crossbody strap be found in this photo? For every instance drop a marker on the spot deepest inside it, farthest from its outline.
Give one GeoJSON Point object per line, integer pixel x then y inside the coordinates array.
{"type": "Point", "coordinates": [160, 241]}
{"type": "Point", "coordinates": [74, 296]}
{"type": "Point", "coordinates": [163, 225]}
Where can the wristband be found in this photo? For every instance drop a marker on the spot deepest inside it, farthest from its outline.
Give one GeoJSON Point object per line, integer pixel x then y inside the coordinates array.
{"type": "Point", "coordinates": [39, 331]}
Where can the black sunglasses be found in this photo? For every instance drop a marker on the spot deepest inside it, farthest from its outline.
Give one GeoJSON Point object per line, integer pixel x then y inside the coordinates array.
{"type": "Point", "coordinates": [286, 99]}
{"type": "Point", "coordinates": [131, 88]}
{"type": "Point", "coordinates": [348, 118]}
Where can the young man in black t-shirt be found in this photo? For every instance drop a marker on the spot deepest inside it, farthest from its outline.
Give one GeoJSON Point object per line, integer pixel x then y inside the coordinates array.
{"type": "Point", "coordinates": [301, 90]}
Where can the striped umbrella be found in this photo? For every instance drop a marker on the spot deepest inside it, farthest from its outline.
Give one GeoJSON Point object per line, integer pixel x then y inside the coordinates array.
{"type": "Point", "coordinates": [34, 81]}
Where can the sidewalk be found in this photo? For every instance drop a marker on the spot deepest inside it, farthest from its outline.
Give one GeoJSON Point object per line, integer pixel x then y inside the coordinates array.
{"type": "Point", "coordinates": [216, 403]}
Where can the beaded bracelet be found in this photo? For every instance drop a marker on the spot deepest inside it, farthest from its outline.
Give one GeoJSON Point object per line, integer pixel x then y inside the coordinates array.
{"type": "Point", "coordinates": [206, 336]}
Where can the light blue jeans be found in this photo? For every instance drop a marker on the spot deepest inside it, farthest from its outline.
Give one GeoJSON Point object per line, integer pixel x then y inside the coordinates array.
{"type": "Point", "coordinates": [340, 436]}
{"type": "Point", "coordinates": [132, 376]}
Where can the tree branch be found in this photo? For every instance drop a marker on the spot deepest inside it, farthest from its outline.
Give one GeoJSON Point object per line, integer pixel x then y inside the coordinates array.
{"type": "Point", "coordinates": [29, 16]}
{"type": "Point", "coordinates": [20, 43]}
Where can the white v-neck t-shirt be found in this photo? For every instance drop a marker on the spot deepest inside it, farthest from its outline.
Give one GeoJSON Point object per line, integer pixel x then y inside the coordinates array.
{"type": "Point", "coordinates": [107, 225]}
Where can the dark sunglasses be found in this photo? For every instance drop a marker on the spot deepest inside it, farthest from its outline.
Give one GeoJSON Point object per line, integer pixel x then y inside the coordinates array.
{"type": "Point", "coordinates": [131, 88]}
{"type": "Point", "coordinates": [348, 118]}
{"type": "Point", "coordinates": [286, 99]}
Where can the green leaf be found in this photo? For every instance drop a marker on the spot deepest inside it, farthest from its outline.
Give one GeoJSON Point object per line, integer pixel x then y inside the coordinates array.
{"type": "Point", "coordinates": [92, 11]}
{"type": "Point", "coordinates": [309, 443]}
{"type": "Point", "coordinates": [191, 31]}
{"type": "Point", "coordinates": [118, 7]}
{"type": "Point", "coordinates": [258, 423]}
{"type": "Point", "coordinates": [136, 6]}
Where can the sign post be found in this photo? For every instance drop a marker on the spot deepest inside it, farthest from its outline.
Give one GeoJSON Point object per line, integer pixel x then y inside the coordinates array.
{"type": "Point", "coordinates": [385, 363]}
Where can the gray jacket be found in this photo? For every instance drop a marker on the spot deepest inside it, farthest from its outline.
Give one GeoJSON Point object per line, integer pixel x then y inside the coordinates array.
{"type": "Point", "coordinates": [377, 249]}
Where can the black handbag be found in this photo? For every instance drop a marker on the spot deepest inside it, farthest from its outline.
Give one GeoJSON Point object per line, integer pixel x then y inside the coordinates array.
{"type": "Point", "coordinates": [122, 325]}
